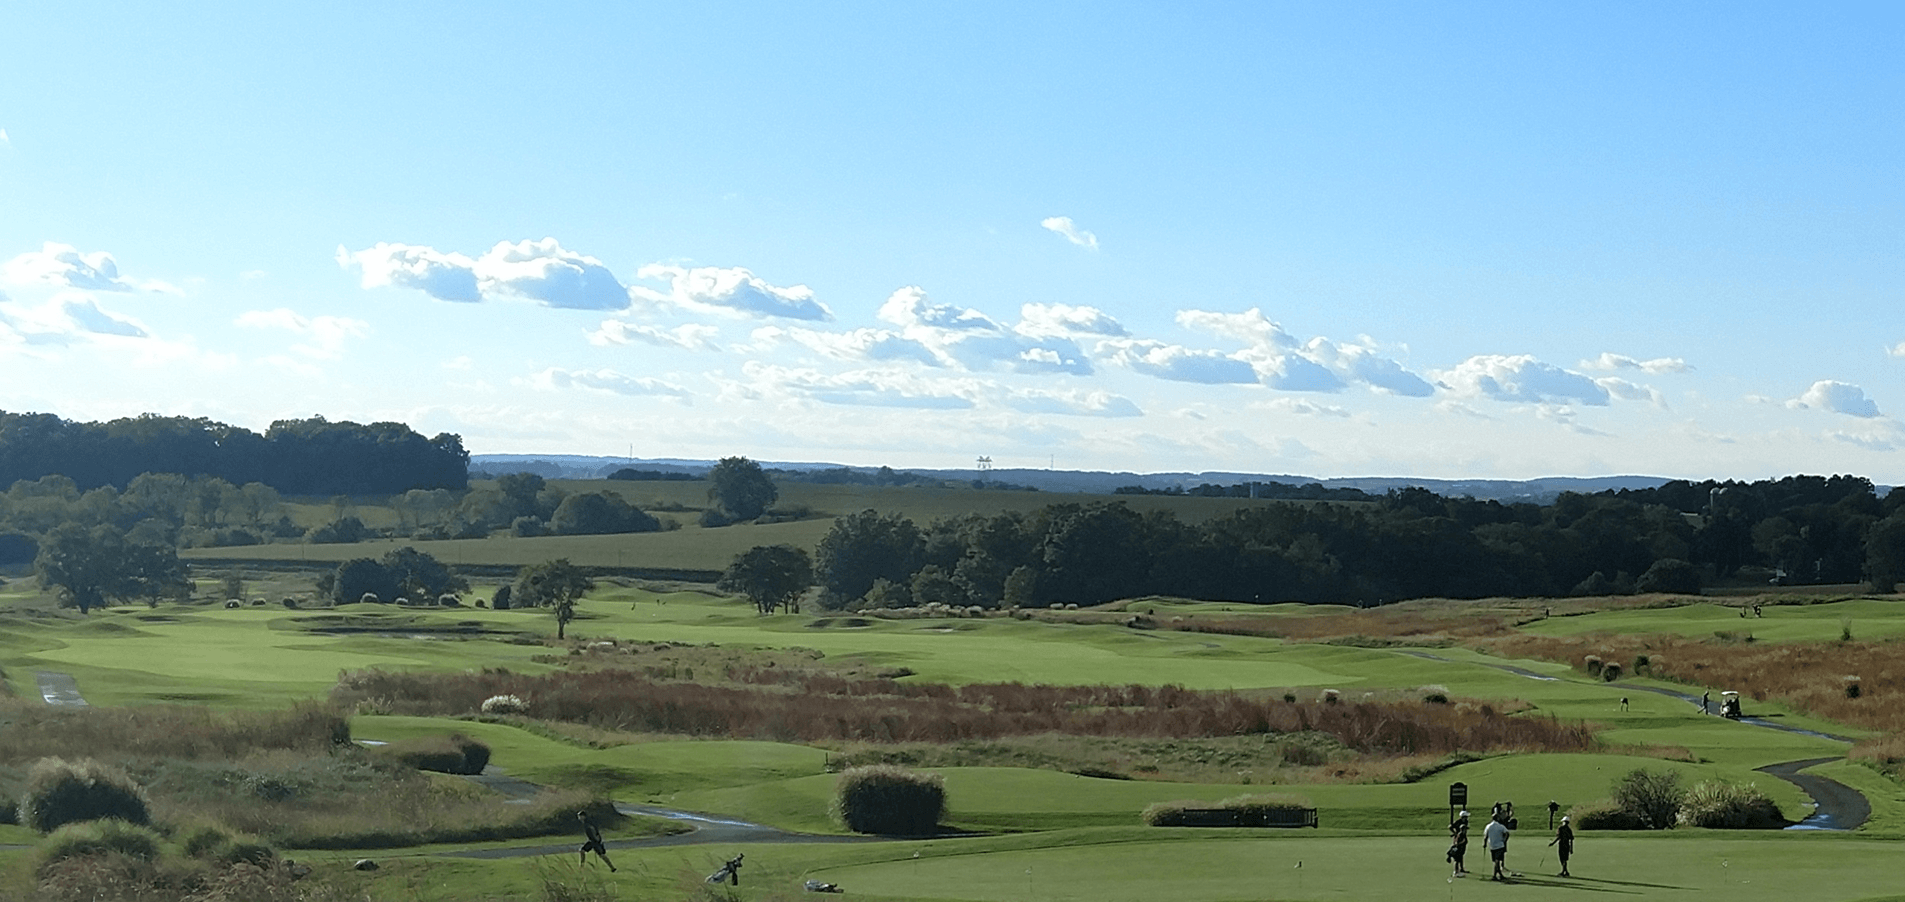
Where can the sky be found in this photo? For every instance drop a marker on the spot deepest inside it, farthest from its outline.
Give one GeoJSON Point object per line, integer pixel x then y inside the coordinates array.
{"type": "Point", "coordinates": [1448, 240]}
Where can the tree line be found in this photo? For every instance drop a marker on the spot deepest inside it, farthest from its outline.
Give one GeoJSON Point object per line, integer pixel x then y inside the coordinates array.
{"type": "Point", "coordinates": [297, 457]}
{"type": "Point", "coordinates": [1410, 543]}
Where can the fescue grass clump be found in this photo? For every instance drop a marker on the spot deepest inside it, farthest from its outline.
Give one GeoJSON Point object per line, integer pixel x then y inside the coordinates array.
{"type": "Point", "coordinates": [891, 801]}
{"type": "Point", "coordinates": [100, 837]}
{"type": "Point", "coordinates": [504, 704]}
{"type": "Point", "coordinates": [1652, 796]}
{"type": "Point", "coordinates": [1611, 671]}
{"type": "Point", "coordinates": [1730, 806]}
{"type": "Point", "coordinates": [168, 731]}
{"type": "Point", "coordinates": [1593, 665]}
{"type": "Point", "coordinates": [453, 754]}
{"type": "Point", "coordinates": [60, 792]}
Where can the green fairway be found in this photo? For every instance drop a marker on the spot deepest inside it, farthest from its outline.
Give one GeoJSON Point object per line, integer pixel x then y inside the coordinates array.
{"type": "Point", "coordinates": [1866, 618]}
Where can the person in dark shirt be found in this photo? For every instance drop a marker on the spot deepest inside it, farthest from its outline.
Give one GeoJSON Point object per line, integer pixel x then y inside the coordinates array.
{"type": "Point", "coordinates": [594, 841]}
{"type": "Point", "coordinates": [1563, 842]}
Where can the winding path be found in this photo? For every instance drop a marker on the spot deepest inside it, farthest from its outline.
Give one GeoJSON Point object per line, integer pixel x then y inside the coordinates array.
{"type": "Point", "coordinates": [1836, 806]}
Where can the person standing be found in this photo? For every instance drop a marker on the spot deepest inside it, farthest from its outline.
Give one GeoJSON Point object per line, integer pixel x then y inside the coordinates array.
{"type": "Point", "coordinates": [1458, 844]}
{"type": "Point", "coordinates": [1706, 702]}
{"type": "Point", "coordinates": [1495, 836]}
{"type": "Point", "coordinates": [593, 843]}
{"type": "Point", "coordinates": [1563, 842]}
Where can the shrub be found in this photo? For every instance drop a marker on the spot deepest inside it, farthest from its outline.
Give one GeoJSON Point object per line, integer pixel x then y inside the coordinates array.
{"type": "Point", "coordinates": [60, 792]}
{"type": "Point", "coordinates": [1593, 664]}
{"type": "Point", "coordinates": [501, 601]}
{"type": "Point", "coordinates": [1852, 689]}
{"type": "Point", "coordinates": [504, 704]}
{"type": "Point", "coordinates": [889, 800]}
{"type": "Point", "coordinates": [453, 754]}
{"type": "Point", "coordinates": [1438, 695]}
{"type": "Point", "coordinates": [1730, 806]}
{"type": "Point", "coordinates": [1653, 796]}
{"type": "Point", "coordinates": [1247, 809]}
{"type": "Point", "coordinates": [99, 837]}
{"type": "Point", "coordinates": [1605, 815]}
{"type": "Point", "coordinates": [1611, 671]}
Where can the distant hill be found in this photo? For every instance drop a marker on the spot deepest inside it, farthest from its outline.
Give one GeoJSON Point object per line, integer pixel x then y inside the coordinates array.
{"type": "Point", "coordinates": [1538, 491]}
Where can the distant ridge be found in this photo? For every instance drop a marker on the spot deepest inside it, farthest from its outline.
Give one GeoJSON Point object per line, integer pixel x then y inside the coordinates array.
{"type": "Point", "coordinates": [1538, 491]}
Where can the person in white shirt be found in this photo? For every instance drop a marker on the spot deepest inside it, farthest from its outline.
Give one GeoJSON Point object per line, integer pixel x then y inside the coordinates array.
{"type": "Point", "coordinates": [1496, 837]}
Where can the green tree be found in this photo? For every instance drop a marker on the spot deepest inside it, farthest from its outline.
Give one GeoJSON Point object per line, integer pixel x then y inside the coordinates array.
{"type": "Point", "coordinates": [740, 488]}
{"type": "Point", "coordinates": [554, 584]}
{"type": "Point", "coordinates": [1670, 575]}
{"type": "Point", "coordinates": [771, 576]}
{"type": "Point", "coordinates": [1654, 796]}
{"type": "Point", "coordinates": [91, 566]}
{"type": "Point", "coordinates": [1885, 552]}
{"type": "Point", "coordinates": [862, 548]}
{"type": "Point", "coordinates": [600, 513]}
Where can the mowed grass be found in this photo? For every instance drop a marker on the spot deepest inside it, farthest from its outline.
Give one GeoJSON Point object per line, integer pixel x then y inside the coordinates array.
{"type": "Point", "coordinates": [691, 547]}
{"type": "Point", "coordinates": [1866, 618]}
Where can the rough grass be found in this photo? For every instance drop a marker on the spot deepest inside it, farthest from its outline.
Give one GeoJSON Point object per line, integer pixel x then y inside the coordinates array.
{"type": "Point", "coordinates": [820, 707]}
{"type": "Point", "coordinates": [166, 731]}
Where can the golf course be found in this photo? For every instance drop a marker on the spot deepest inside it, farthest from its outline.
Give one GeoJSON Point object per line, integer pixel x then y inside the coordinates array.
{"type": "Point", "coordinates": [1018, 823]}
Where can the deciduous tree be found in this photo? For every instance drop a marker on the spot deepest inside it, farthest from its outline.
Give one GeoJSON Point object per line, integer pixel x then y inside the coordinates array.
{"type": "Point", "coordinates": [771, 576]}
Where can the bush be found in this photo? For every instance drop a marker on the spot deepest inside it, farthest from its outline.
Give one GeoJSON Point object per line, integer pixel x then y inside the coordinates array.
{"type": "Point", "coordinates": [453, 754]}
{"type": "Point", "coordinates": [1730, 806]}
{"type": "Point", "coordinates": [212, 842]}
{"type": "Point", "coordinates": [1653, 796]}
{"type": "Point", "coordinates": [1248, 809]}
{"type": "Point", "coordinates": [60, 792]}
{"type": "Point", "coordinates": [504, 704]}
{"type": "Point", "coordinates": [1593, 664]}
{"type": "Point", "coordinates": [99, 837]}
{"type": "Point", "coordinates": [1605, 815]}
{"type": "Point", "coordinates": [889, 800]}
{"type": "Point", "coordinates": [1611, 671]}
{"type": "Point", "coordinates": [1670, 575]}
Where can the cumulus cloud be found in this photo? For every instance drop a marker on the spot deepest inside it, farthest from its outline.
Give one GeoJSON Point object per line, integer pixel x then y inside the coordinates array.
{"type": "Point", "coordinates": [1052, 320]}
{"type": "Point", "coordinates": [606, 380]}
{"type": "Point", "coordinates": [1837, 397]}
{"type": "Point", "coordinates": [325, 335]}
{"type": "Point", "coordinates": [858, 345]}
{"type": "Point", "coordinates": [541, 271]}
{"type": "Point", "coordinates": [949, 336]}
{"type": "Point", "coordinates": [1319, 364]}
{"type": "Point", "coordinates": [909, 307]}
{"type": "Point", "coordinates": [863, 388]}
{"type": "Point", "coordinates": [688, 337]}
{"type": "Point", "coordinates": [732, 291]}
{"type": "Point", "coordinates": [1897, 350]}
{"type": "Point", "coordinates": [1063, 225]}
{"type": "Point", "coordinates": [1072, 403]}
{"type": "Point", "coordinates": [1178, 363]}
{"type": "Point", "coordinates": [1660, 365]}
{"type": "Point", "coordinates": [63, 320]}
{"type": "Point", "coordinates": [64, 265]}
{"type": "Point", "coordinates": [1521, 378]}
{"type": "Point", "coordinates": [1630, 391]}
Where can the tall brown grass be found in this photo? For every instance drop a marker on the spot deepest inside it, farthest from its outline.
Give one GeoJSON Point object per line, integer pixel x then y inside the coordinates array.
{"type": "Point", "coordinates": [817, 707]}
{"type": "Point", "coordinates": [165, 731]}
{"type": "Point", "coordinates": [1810, 676]}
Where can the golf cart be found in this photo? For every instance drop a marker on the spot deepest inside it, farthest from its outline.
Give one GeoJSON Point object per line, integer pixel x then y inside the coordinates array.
{"type": "Point", "coordinates": [1730, 705]}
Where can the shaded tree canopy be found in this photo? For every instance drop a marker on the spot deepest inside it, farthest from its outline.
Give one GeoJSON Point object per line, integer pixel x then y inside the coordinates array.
{"type": "Point", "coordinates": [740, 488]}
{"type": "Point", "coordinates": [599, 513]}
{"type": "Point", "coordinates": [771, 576]}
{"type": "Point", "coordinates": [89, 567]}
{"type": "Point", "coordinates": [402, 573]}
{"type": "Point", "coordinates": [301, 457]}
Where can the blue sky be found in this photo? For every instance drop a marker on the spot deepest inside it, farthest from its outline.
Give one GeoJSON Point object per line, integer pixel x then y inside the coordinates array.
{"type": "Point", "coordinates": [1442, 240]}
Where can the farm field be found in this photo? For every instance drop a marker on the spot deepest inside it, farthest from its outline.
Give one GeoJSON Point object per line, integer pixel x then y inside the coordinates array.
{"type": "Point", "coordinates": [1048, 834]}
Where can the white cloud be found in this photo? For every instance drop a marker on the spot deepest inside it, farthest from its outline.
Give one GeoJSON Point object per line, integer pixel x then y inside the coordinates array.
{"type": "Point", "coordinates": [541, 271]}
{"type": "Point", "coordinates": [1630, 391]}
{"type": "Point", "coordinates": [1178, 363]}
{"type": "Point", "coordinates": [66, 318]}
{"type": "Point", "coordinates": [1301, 407]}
{"type": "Point", "coordinates": [1897, 350]}
{"type": "Point", "coordinates": [606, 380]}
{"type": "Point", "coordinates": [733, 291]}
{"type": "Point", "coordinates": [1072, 403]}
{"type": "Point", "coordinates": [1042, 320]}
{"type": "Point", "coordinates": [326, 334]}
{"type": "Point", "coordinates": [1660, 365]}
{"type": "Point", "coordinates": [1063, 225]}
{"type": "Point", "coordinates": [1837, 397]}
{"type": "Point", "coordinates": [858, 345]}
{"type": "Point", "coordinates": [689, 337]}
{"type": "Point", "coordinates": [63, 264]}
{"type": "Point", "coordinates": [909, 307]}
{"type": "Point", "coordinates": [1520, 378]}
{"type": "Point", "coordinates": [860, 388]}
{"type": "Point", "coordinates": [4, 140]}
{"type": "Point", "coordinates": [1284, 363]}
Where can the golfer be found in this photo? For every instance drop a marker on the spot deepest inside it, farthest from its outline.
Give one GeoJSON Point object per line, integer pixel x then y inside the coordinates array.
{"type": "Point", "coordinates": [594, 843]}
{"type": "Point", "coordinates": [1563, 842]}
{"type": "Point", "coordinates": [1458, 844]}
{"type": "Point", "coordinates": [1496, 838]}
